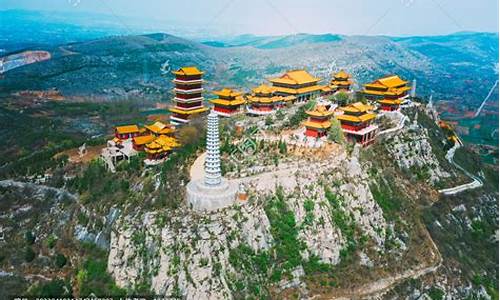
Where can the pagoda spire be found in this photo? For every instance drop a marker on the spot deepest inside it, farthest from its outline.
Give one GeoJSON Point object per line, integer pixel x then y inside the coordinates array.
{"type": "Point", "coordinates": [213, 175]}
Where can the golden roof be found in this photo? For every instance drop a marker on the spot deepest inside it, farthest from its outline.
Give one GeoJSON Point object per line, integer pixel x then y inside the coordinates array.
{"type": "Point", "coordinates": [263, 89]}
{"type": "Point", "coordinates": [237, 101]}
{"type": "Point", "coordinates": [375, 85]}
{"type": "Point", "coordinates": [225, 92]}
{"type": "Point", "coordinates": [341, 82]}
{"type": "Point", "coordinates": [188, 71]}
{"type": "Point", "coordinates": [342, 75]}
{"type": "Point", "coordinates": [143, 139]}
{"type": "Point", "coordinates": [265, 100]}
{"type": "Point", "coordinates": [289, 98]}
{"type": "Point", "coordinates": [357, 107]}
{"type": "Point", "coordinates": [162, 143]}
{"type": "Point", "coordinates": [326, 88]}
{"type": "Point", "coordinates": [188, 112]}
{"type": "Point", "coordinates": [362, 118]}
{"type": "Point", "coordinates": [127, 129]}
{"type": "Point", "coordinates": [299, 90]}
{"type": "Point", "coordinates": [295, 77]}
{"type": "Point", "coordinates": [319, 125]}
{"type": "Point", "coordinates": [320, 111]}
{"type": "Point", "coordinates": [390, 101]}
{"type": "Point", "coordinates": [392, 81]}
{"type": "Point", "coordinates": [160, 128]}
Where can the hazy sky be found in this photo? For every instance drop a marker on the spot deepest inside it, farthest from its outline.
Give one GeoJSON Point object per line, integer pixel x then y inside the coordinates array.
{"type": "Point", "coordinates": [271, 17]}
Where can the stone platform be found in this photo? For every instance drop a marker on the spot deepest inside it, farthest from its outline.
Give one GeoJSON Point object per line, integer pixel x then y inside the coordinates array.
{"type": "Point", "coordinates": [203, 197]}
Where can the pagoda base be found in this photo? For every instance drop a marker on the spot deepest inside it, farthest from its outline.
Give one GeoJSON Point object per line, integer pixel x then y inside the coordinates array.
{"type": "Point", "coordinates": [202, 197]}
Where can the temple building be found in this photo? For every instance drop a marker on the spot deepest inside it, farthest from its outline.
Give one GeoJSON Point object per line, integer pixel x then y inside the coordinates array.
{"type": "Point", "coordinates": [388, 104]}
{"type": "Point", "coordinates": [159, 128]}
{"type": "Point", "coordinates": [160, 147]}
{"type": "Point", "coordinates": [387, 88]}
{"type": "Point", "coordinates": [356, 122]}
{"type": "Point", "coordinates": [341, 82]}
{"type": "Point", "coordinates": [188, 100]}
{"type": "Point", "coordinates": [298, 83]}
{"type": "Point", "coordinates": [319, 122]}
{"type": "Point", "coordinates": [264, 101]}
{"type": "Point", "coordinates": [126, 132]}
{"type": "Point", "coordinates": [229, 102]}
{"type": "Point", "coordinates": [139, 142]}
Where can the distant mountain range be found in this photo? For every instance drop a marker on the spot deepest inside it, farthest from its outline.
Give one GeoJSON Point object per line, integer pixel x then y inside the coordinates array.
{"type": "Point", "coordinates": [460, 66]}
{"type": "Point", "coordinates": [273, 42]}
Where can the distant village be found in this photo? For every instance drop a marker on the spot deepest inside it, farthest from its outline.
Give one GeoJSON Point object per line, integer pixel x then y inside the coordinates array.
{"type": "Point", "coordinates": [295, 87]}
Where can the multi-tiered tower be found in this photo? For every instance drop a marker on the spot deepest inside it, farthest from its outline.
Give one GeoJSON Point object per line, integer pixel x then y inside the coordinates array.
{"type": "Point", "coordinates": [188, 100]}
{"type": "Point", "coordinates": [212, 191]}
{"type": "Point", "coordinates": [212, 161]}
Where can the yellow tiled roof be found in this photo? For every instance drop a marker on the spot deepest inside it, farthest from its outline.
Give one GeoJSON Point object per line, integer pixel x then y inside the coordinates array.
{"type": "Point", "coordinates": [289, 98]}
{"type": "Point", "coordinates": [143, 139]}
{"type": "Point", "coordinates": [255, 99]}
{"type": "Point", "coordinates": [341, 82]}
{"type": "Point", "coordinates": [238, 101]}
{"type": "Point", "coordinates": [225, 92]}
{"type": "Point", "coordinates": [320, 111]}
{"type": "Point", "coordinates": [342, 75]}
{"type": "Point", "coordinates": [375, 85]}
{"type": "Point", "coordinates": [188, 71]}
{"type": "Point", "coordinates": [127, 129]}
{"type": "Point", "coordinates": [295, 77]}
{"type": "Point", "coordinates": [390, 101]}
{"type": "Point", "coordinates": [362, 118]}
{"type": "Point", "coordinates": [263, 89]}
{"type": "Point", "coordinates": [188, 112]}
{"type": "Point", "coordinates": [160, 128]}
{"type": "Point", "coordinates": [357, 107]}
{"type": "Point", "coordinates": [161, 144]}
{"type": "Point", "coordinates": [392, 81]}
{"type": "Point", "coordinates": [298, 91]}
{"type": "Point", "coordinates": [320, 125]}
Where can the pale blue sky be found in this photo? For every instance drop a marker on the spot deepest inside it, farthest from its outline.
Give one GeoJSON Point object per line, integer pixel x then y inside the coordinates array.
{"type": "Point", "coordinates": [273, 17]}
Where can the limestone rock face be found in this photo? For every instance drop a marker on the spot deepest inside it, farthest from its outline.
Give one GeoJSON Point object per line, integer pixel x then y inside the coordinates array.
{"type": "Point", "coordinates": [412, 149]}
{"type": "Point", "coordinates": [186, 253]}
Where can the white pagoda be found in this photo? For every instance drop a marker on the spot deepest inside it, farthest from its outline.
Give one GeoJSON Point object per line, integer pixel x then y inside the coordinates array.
{"type": "Point", "coordinates": [213, 191]}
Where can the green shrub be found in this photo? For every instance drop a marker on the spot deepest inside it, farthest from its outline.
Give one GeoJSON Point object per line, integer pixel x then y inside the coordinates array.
{"type": "Point", "coordinates": [29, 254]}
{"type": "Point", "coordinates": [60, 260]}
{"type": "Point", "coordinates": [29, 237]}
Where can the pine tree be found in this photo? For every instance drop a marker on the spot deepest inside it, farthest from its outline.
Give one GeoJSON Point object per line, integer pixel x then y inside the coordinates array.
{"type": "Point", "coordinates": [335, 133]}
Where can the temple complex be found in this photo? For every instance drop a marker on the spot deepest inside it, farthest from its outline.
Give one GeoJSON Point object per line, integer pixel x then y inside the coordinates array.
{"type": "Point", "coordinates": [319, 122]}
{"type": "Point", "coordinates": [188, 100]}
{"type": "Point", "coordinates": [298, 83]}
{"type": "Point", "coordinates": [264, 101]}
{"type": "Point", "coordinates": [213, 191]}
{"type": "Point", "coordinates": [229, 102]}
{"type": "Point", "coordinates": [389, 91]}
{"type": "Point", "coordinates": [341, 82]}
{"type": "Point", "coordinates": [356, 122]}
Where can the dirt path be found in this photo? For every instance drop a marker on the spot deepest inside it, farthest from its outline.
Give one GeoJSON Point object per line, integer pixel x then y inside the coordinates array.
{"type": "Point", "coordinates": [197, 170]}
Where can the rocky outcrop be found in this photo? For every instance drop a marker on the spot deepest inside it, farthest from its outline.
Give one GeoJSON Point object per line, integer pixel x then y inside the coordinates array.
{"type": "Point", "coordinates": [412, 150]}
{"type": "Point", "coordinates": [186, 254]}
